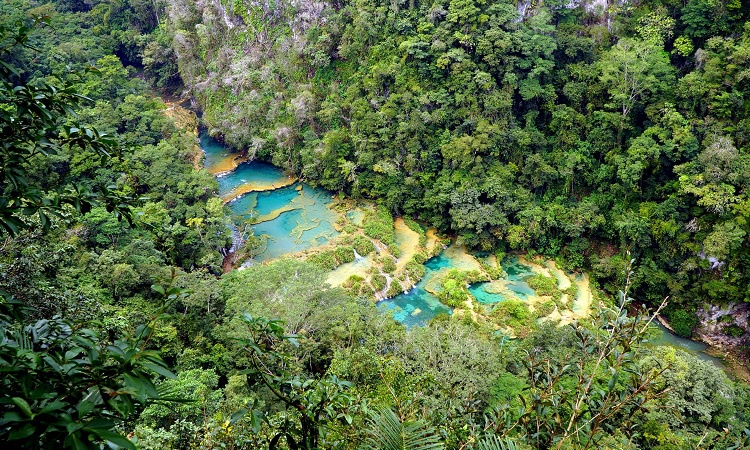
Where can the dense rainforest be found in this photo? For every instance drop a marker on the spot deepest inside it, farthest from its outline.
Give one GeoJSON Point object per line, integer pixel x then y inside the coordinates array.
{"type": "Point", "coordinates": [578, 130]}
{"type": "Point", "coordinates": [610, 137]}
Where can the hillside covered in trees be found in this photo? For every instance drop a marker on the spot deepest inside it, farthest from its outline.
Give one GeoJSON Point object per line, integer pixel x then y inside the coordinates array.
{"type": "Point", "coordinates": [576, 130]}
{"type": "Point", "coordinates": [608, 137]}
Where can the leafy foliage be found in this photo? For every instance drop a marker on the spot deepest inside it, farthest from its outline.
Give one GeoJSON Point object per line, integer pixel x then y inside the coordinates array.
{"type": "Point", "coordinates": [68, 386]}
{"type": "Point", "coordinates": [39, 119]}
{"type": "Point", "coordinates": [387, 432]}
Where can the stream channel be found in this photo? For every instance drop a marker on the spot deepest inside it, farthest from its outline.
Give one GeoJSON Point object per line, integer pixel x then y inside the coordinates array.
{"type": "Point", "coordinates": [293, 216]}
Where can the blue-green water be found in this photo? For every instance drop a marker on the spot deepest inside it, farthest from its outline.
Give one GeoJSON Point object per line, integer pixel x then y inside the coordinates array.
{"type": "Point", "coordinates": [357, 217]}
{"type": "Point", "coordinates": [298, 215]}
{"type": "Point", "coordinates": [307, 222]}
{"type": "Point", "coordinates": [666, 337]}
{"type": "Point", "coordinates": [250, 172]}
{"type": "Point", "coordinates": [428, 306]}
{"type": "Point", "coordinates": [516, 274]}
{"type": "Point", "coordinates": [417, 307]}
{"type": "Point", "coordinates": [270, 201]}
{"type": "Point", "coordinates": [484, 297]}
{"type": "Point", "coordinates": [213, 150]}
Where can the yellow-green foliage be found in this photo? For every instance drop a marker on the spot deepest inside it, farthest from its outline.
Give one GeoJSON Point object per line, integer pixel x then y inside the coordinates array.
{"type": "Point", "coordinates": [325, 260]}
{"type": "Point", "coordinates": [379, 225]}
{"type": "Point", "coordinates": [415, 270]}
{"type": "Point", "coordinates": [363, 245]}
{"type": "Point", "coordinates": [394, 289]}
{"type": "Point", "coordinates": [419, 258]}
{"type": "Point", "coordinates": [378, 281]}
{"type": "Point", "coordinates": [389, 264]}
{"type": "Point", "coordinates": [494, 272]}
{"type": "Point", "coordinates": [453, 287]}
{"type": "Point", "coordinates": [513, 313]}
{"type": "Point", "coordinates": [357, 286]}
{"type": "Point", "coordinates": [330, 259]}
{"type": "Point", "coordinates": [572, 290]}
{"type": "Point", "coordinates": [544, 309]}
{"type": "Point", "coordinates": [545, 286]}
{"type": "Point", "coordinates": [344, 254]}
{"type": "Point", "coordinates": [413, 225]}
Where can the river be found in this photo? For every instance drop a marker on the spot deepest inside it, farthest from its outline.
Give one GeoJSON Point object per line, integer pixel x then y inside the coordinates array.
{"type": "Point", "coordinates": [292, 216]}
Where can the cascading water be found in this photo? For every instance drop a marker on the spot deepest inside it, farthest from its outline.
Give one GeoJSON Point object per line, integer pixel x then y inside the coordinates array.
{"type": "Point", "coordinates": [290, 215]}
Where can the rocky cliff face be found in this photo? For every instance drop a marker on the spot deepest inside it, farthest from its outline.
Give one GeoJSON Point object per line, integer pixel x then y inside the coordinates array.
{"type": "Point", "coordinates": [600, 8]}
{"type": "Point", "coordinates": [724, 326]}
{"type": "Point", "coordinates": [242, 59]}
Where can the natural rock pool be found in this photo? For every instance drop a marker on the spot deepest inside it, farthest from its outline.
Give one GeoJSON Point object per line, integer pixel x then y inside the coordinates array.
{"type": "Point", "coordinates": [293, 216]}
{"type": "Point", "coordinates": [288, 215]}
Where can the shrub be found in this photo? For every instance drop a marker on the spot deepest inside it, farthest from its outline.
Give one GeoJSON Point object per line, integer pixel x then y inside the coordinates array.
{"type": "Point", "coordinates": [389, 264]}
{"type": "Point", "coordinates": [352, 280]}
{"type": "Point", "coordinates": [683, 322]}
{"type": "Point", "coordinates": [394, 289]}
{"type": "Point", "coordinates": [344, 254]}
{"type": "Point", "coordinates": [325, 260]}
{"type": "Point", "coordinates": [419, 258]}
{"type": "Point", "coordinates": [357, 287]}
{"type": "Point", "coordinates": [454, 292]}
{"type": "Point", "coordinates": [413, 225]}
{"type": "Point", "coordinates": [544, 309]}
{"type": "Point", "coordinates": [545, 286]}
{"type": "Point", "coordinates": [512, 313]}
{"type": "Point", "coordinates": [378, 282]}
{"type": "Point", "coordinates": [734, 331]}
{"type": "Point", "coordinates": [415, 270]}
{"type": "Point", "coordinates": [379, 225]}
{"type": "Point", "coordinates": [572, 290]}
{"type": "Point", "coordinates": [363, 246]}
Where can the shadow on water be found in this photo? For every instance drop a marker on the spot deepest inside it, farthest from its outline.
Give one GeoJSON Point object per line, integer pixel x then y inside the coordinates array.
{"type": "Point", "coordinates": [666, 337]}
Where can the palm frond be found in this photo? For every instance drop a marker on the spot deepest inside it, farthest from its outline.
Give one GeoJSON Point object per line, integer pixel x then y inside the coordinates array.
{"type": "Point", "coordinates": [495, 443]}
{"type": "Point", "coordinates": [387, 432]}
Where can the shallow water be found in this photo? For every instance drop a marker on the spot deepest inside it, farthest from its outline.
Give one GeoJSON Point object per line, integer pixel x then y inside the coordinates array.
{"type": "Point", "coordinates": [359, 266]}
{"type": "Point", "coordinates": [293, 217]}
{"type": "Point", "coordinates": [356, 216]}
{"type": "Point", "coordinates": [666, 337]}
{"type": "Point", "coordinates": [478, 290]}
{"type": "Point", "coordinates": [218, 158]}
{"type": "Point", "coordinates": [252, 176]}
{"type": "Point", "coordinates": [407, 240]}
{"type": "Point", "coordinates": [490, 292]}
{"type": "Point", "coordinates": [418, 306]}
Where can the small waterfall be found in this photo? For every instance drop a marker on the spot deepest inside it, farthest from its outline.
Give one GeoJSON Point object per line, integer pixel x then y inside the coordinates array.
{"type": "Point", "coordinates": [383, 295]}
{"type": "Point", "coordinates": [237, 240]}
{"type": "Point", "coordinates": [357, 256]}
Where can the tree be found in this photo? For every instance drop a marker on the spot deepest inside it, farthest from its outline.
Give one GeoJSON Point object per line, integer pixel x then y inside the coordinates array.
{"type": "Point", "coordinates": [65, 385]}
{"type": "Point", "coordinates": [633, 70]}
{"type": "Point", "coordinates": [311, 405]}
{"type": "Point", "coordinates": [578, 399]}
{"type": "Point", "coordinates": [387, 432]}
{"type": "Point", "coordinates": [38, 118]}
